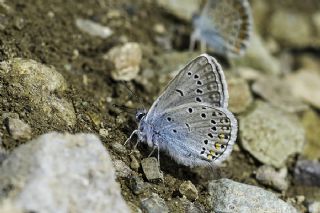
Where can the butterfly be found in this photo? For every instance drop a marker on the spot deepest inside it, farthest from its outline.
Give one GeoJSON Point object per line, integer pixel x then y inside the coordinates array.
{"type": "Point", "coordinates": [190, 120]}
{"type": "Point", "coordinates": [225, 25]}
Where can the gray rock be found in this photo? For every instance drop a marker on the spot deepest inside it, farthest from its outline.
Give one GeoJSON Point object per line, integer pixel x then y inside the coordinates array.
{"type": "Point", "coordinates": [189, 190]}
{"type": "Point", "coordinates": [122, 170]}
{"type": "Point", "coordinates": [137, 185]}
{"type": "Point", "coordinates": [93, 28]}
{"type": "Point", "coordinates": [154, 204]}
{"type": "Point", "coordinates": [282, 22]}
{"type": "Point", "coordinates": [271, 135]}
{"type": "Point", "coordinates": [61, 173]}
{"type": "Point", "coordinates": [268, 176]}
{"type": "Point", "coordinates": [183, 9]}
{"type": "Point", "coordinates": [305, 84]}
{"type": "Point", "coordinates": [229, 196]}
{"type": "Point", "coordinates": [307, 173]}
{"type": "Point", "coordinates": [278, 93]}
{"type": "Point", "coordinates": [240, 97]}
{"type": "Point", "coordinates": [18, 129]}
{"type": "Point", "coordinates": [38, 86]}
{"type": "Point", "coordinates": [126, 60]}
{"type": "Point", "coordinates": [151, 169]}
{"type": "Point", "coordinates": [3, 154]}
{"type": "Point", "coordinates": [314, 207]}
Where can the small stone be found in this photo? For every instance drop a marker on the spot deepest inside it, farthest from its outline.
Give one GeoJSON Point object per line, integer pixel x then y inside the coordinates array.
{"type": "Point", "coordinates": [307, 173]}
{"type": "Point", "coordinates": [61, 173]}
{"type": "Point", "coordinates": [150, 167]}
{"type": "Point", "coordinates": [134, 208]}
{"type": "Point", "coordinates": [159, 28]}
{"type": "Point", "coordinates": [311, 123]}
{"type": "Point", "coordinates": [183, 9]}
{"type": "Point", "coordinates": [122, 170]}
{"type": "Point", "coordinates": [229, 196]}
{"type": "Point", "coordinates": [134, 163]}
{"type": "Point", "coordinates": [314, 207]}
{"type": "Point", "coordinates": [154, 204]}
{"type": "Point", "coordinates": [189, 190]}
{"type": "Point", "coordinates": [278, 93]}
{"type": "Point", "coordinates": [104, 132]}
{"type": "Point", "coordinates": [39, 87]}
{"type": "Point", "coordinates": [305, 84]}
{"type": "Point", "coordinates": [268, 176]}
{"type": "Point", "coordinates": [271, 135]}
{"type": "Point", "coordinates": [137, 185]}
{"type": "Point", "coordinates": [93, 28]}
{"type": "Point", "coordinates": [119, 148]}
{"type": "Point", "coordinates": [18, 129]}
{"type": "Point", "coordinates": [240, 97]}
{"type": "Point", "coordinates": [284, 21]}
{"type": "Point", "coordinates": [126, 60]}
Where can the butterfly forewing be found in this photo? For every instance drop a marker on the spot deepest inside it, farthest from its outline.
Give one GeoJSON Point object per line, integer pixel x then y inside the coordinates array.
{"type": "Point", "coordinates": [225, 25]}
{"type": "Point", "coordinates": [201, 133]}
{"type": "Point", "coordinates": [201, 81]}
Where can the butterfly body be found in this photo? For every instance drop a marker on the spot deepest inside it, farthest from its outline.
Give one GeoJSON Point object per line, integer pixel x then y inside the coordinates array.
{"type": "Point", "coordinates": [190, 120]}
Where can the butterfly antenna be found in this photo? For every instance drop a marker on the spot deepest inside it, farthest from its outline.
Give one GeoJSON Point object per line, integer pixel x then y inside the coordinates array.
{"type": "Point", "coordinates": [135, 95]}
{"type": "Point", "coordinates": [124, 108]}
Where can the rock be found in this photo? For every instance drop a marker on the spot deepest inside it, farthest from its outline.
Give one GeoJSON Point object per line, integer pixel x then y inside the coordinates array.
{"type": "Point", "coordinates": [258, 57]}
{"type": "Point", "coordinates": [282, 22]}
{"type": "Point", "coordinates": [18, 129]}
{"type": "Point", "coordinates": [61, 173]}
{"type": "Point", "coordinates": [134, 208]}
{"type": "Point", "coordinates": [126, 60]}
{"type": "Point", "coordinates": [137, 185]}
{"type": "Point", "coordinates": [229, 196]}
{"type": "Point", "coordinates": [278, 93]}
{"type": "Point", "coordinates": [182, 205]}
{"type": "Point", "coordinates": [122, 170]}
{"type": "Point", "coordinates": [270, 134]}
{"type": "Point", "coordinates": [93, 28]}
{"type": "Point", "coordinates": [119, 148]}
{"type": "Point", "coordinates": [3, 154]}
{"type": "Point", "coordinates": [183, 9]}
{"type": "Point", "coordinates": [311, 123]}
{"type": "Point", "coordinates": [40, 88]}
{"type": "Point", "coordinates": [314, 207]}
{"type": "Point", "coordinates": [316, 22]}
{"type": "Point", "coordinates": [154, 204]}
{"type": "Point", "coordinates": [104, 133]}
{"type": "Point", "coordinates": [307, 173]}
{"type": "Point", "coordinates": [240, 97]}
{"type": "Point", "coordinates": [134, 164]}
{"type": "Point", "coordinates": [305, 84]}
{"type": "Point", "coordinates": [189, 190]}
{"type": "Point", "coordinates": [151, 169]}
{"type": "Point", "coordinates": [268, 176]}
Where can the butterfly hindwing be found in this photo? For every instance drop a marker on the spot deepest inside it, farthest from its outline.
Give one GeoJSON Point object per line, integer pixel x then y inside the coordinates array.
{"type": "Point", "coordinates": [225, 25]}
{"type": "Point", "coordinates": [196, 133]}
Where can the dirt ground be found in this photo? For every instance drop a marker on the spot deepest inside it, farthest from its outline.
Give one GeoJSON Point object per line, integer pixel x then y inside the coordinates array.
{"type": "Point", "coordinates": [45, 31]}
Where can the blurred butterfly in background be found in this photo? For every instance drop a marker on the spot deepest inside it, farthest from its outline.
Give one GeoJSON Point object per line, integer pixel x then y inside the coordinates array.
{"type": "Point", "coordinates": [190, 120]}
{"type": "Point", "coordinates": [223, 25]}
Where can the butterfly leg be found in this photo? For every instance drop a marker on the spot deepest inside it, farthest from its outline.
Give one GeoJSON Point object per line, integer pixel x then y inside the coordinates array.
{"type": "Point", "coordinates": [129, 139]}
